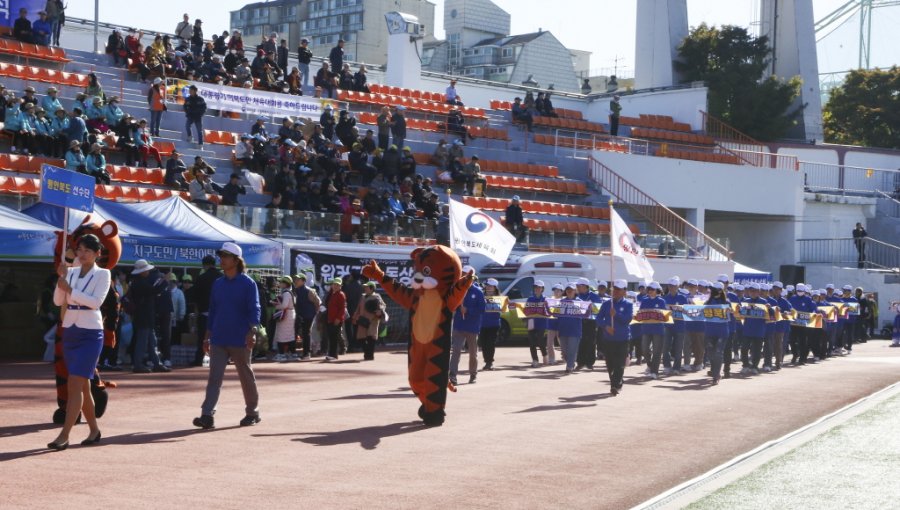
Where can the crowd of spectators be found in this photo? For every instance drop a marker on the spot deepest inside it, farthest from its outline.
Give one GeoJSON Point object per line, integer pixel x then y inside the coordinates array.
{"type": "Point", "coordinates": [525, 111]}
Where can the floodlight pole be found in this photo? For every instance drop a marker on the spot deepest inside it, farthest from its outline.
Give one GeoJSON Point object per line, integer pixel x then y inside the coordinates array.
{"type": "Point", "coordinates": [96, 25]}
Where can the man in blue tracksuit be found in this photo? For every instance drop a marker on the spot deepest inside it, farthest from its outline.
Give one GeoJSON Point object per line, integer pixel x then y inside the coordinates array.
{"type": "Point", "coordinates": [782, 327]}
{"type": "Point", "coordinates": [466, 326]}
{"type": "Point", "coordinates": [652, 341]}
{"type": "Point", "coordinates": [771, 327]}
{"type": "Point", "coordinates": [833, 330]}
{"type": "Point", "coordinates": [674, 333]}
{"type": "Point", "coordinates": [754, 333]}
{"type": "Point", "coordinates": [587, 349]}
{"type": "Point", "coordinates": [848, 333]}
{"type": "Point", "coordinates": [615, 318]}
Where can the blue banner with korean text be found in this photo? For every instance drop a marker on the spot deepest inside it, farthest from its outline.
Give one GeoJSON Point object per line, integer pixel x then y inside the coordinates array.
{"type": "Point", "coordinates": [704, 313]}
{"type": "Point", "coordinates": [66, 188]}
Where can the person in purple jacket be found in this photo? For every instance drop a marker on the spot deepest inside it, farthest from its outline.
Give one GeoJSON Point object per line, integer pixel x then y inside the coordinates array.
{"type": "Point", "coordinates": [233, 322]}
{"type": "Point", "coordinates": [615, 318]}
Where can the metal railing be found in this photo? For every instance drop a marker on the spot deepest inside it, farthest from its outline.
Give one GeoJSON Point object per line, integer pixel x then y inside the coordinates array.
{"type": "Point", "coordinates": [888, 205]}
{"type": "Point", "coordinates": [866, 253]}
{"type": "Point", "coordinates": [848, 180]}
{"type": "Point", "coordinates": [579, 145]}
{"type": "Point", "coordinates": [664, 219]}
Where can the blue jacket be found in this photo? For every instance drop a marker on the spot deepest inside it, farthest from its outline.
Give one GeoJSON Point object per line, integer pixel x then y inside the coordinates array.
{"type": "Point", "coordinates": [491, 318]}
{"type": "Point", "coordinates": [94, 112]}
{"type": "Point", "coordinates": [836, 300]}
{"type": "Point", "coordinates": [569, 326]}
{"type": "Point", "coordinates": [233, 310]}
{"type": "Point", "coordinates": [657, 303]}
{"type": "Point", "coordinates": [755, 328]}
{"type": "Point", "coordinates": [74, 159]}
{"type": "Point", "coordinates": [95, 164]}
{"type": "Point", "coordinates": [677, 299]}
{"type": "Point", "coordinates": [851, 319]}
{"type": "Point", "coordinates": [771, 327]}
{"type": "Point", "coordinates": [474, 304]}
{"type": "Point", "coordinates": [784, 325]}
{"type": "Point", "coordinates": [59, 126]}
{"type": "Point", "coordinates": [42, 127]}
{"type": "Point", "coordinates": [50, 105]}
{"type": "Point", "coordinates": [113, 115]}
{"type": "Point", "coordinates": [538, 323]}
{"type": "Point", "coordinates": [15, 120]}
{"type": "Point", "coordinates": [621, 322]}
{"type": "Point", "coordinates": [42, 31]}
{"type": "Point", "coordinates": [593, 297]}
{"type": "Point", "coordinates": [76, 130]}
{"type": "Point", "coordinates": [717, 329]}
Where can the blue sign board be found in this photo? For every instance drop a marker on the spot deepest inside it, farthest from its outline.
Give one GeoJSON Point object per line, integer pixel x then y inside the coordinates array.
{"type": "Point", "coordinates": [66, 188]}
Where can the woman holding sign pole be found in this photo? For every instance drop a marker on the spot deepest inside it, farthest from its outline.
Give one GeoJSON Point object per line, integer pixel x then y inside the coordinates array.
{"type": "Point", "coordinates": [569, 325]}
{"type": "Point", "coordinates": [716, 332]}
{"type": "Point", "coordinates": [615, 318]}
{"type": "Point", "coordinates": [80, 291]}
{"type": "Point", "coordinates": [494, 305]}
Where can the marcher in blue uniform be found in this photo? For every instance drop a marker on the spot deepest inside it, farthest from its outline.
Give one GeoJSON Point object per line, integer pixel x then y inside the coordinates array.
{"type": "Point", "coordinates": [802, 302]}
{"type": "Point", "coordinates": [537, 327]}
{"type": "Point", "coordinates": [490, 324]}
{"type": "Point", "coordinates": [782, 327]}
{"type": "Point", "coordinates": [615, 318]}
{"type": "Point", "coordinates": [833, 329]}
{"type": "Point", "coordinates": [652, 341]}
{"type": "Point", "coordinates": [587, 349]}
{"type": "Point", "coordinates": [466, 326]}
{"type": "Point", "coordinates": [754, 333]}
{"type": "Point", "coordinates": [717, 332]}
{"type": "Point", "coordinates": [695, 331]}
{"type": "Point", "coordinates": [848, 331]}
{"type": "Point", "coordinates": [771, 326]}
{"type": "Point", "coordinates": [674, 339]}
{"type": "Point", "coordinates": [570, 330]}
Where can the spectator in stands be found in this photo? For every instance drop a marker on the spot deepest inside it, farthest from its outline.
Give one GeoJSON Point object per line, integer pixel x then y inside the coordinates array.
{"type": "Point", "coordinates": [345, 78]}
{"type": "Point", "coordinates": [521, 114]}
{"type": "Point", "coordinates": [219, 46]}
{"type": "Point", "coordinates": [80, 101]}
{"type": "Point", "coordinates": [667, 247]}
{"type": "Point", "coordinates": [328, 123]}
{"type": "Point", "coordinates": [133, 44]}
{"type": "Point", "coordinates": [158, 46]}
{"type": "Point", "coordinates": [368, 142]}
{"type": "Point", "coordinates": [325, 80]}
{"type": "Point", "coordinates": [144, 140]}
{"type": "Point", "coordinates": [270, 77]}
{"type": "Point", "coordinates": [398, 125]}
{"type": "Point", "coordinates": [29, 97]}
{"type": "Point", "coordinates": [528, 102]}
{"type": "Point", "coordinates": [384, 128]}
{"type": "Point", "coordinates": [197, 38]}
{"type": "Point", "coordinates": [242, 74]}
{"type": "Point", "coordinates": [344, 128]}
{"type": "Point", "coordinates": [336, 56]}
{"type": "Point", "coordinates": [391, 165]}
{"type": "Point", "coordinates": [175, 169]}
{"type": "Point", "coordinates": [407, 164]}
{"type": "Point", "coordinates": [201, 166]}
{"type": "Point", "coordinates": [231, 190]}
{"type": "Point", "coordinates": [471, 173]}
{"type": "Point", "coordinates": [43, 132]}
{"type": "Point", "coordinates": [50, 102]}
{"type": "Point", "coordinates": [115, 47]}
{"type": "Point", "coordinates": [515, 220]}
{"type": "Point", "coordinates": [95, 163]}
{"type": "Point", "coordinates": [548, 110]}
{"type": "Point", "coordinates": [18, 127]}
{"type": "Point", "coordinates": [257, 66]}
{"type": "Point", "coordinates": [243, 151]}
{"type": "Point", "coordinates": [231, 60]}
{"type": "Point", "coordinates": [194, 110]}
{"type": "Point", "coordinates": [42, 30]}
{"type": "Point", "coordinates": [214, 71]}
{"type": "Point", "coordinates": [156, 99]}
{"type": "Point", "coordinates": [77, 129]}
{"type": "Point", "coordinates": [112, 113]}
{"type": "Point", "coordinates": [126, 133]}
{"type": "Point", "coordinates": [451, 94]}
{"type": "Point", "coordinates": [359, 162]}
{"type": "Point", "coordinates": [22, 27]}
{"type": "Point", "coordinates": [859, 240]}
{"type": "Point", "coordinates": [200, 188]}
{"type": "Point", "coordinates": [441, 155]}
{"type": "Point", "coordinates": [293, 82]}
{"type": "Point", "coordinates": [455, 159]}
{"type": "Point", "coordinates": [95, 112]}
{"type": "Point", "coordinates": [58, 127]}
{"type": "Point", "coordinates": [282, 52]}
{"type": "Point", "coordinates": [352, 222]}
{"type": "Point", "coordinates": [615, 109]}
{"type": "Point", "coordinates": [431, 207]}
{"type": "Point", "coordinates": [61, 10]}
{"type": "Point", "coordinates": [54, 10]}
{"type": "Point", "coordinates": [184, 30]}
{"type": "Point", "coordinates": [75, 158]}
{"type": "Point", "coordinates": [360, 79]}
{"type": "Point", "coordinates": [456, 125]}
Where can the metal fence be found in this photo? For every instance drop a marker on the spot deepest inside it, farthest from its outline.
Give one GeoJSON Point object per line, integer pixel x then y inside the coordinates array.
{"type": "Point", "coordinates": [867, 253]}
{"type": "Point", "coordinates": [888, 205]}
{"type": "Point", "coordinates": [849, 180]}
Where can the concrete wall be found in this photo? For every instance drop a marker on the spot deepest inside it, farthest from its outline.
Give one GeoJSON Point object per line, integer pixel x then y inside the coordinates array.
{"type": "Point", "coordinates": [833, 216]}
{"type": "Point", "coordinates": [712, 186]}
{"type": "Point", "coordinates": [761, 242]}
{"type": "Point", "coordinates": [683, 105]}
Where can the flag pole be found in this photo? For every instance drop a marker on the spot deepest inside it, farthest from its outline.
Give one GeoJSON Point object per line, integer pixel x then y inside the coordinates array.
{"type": "Point", "coordinates": [611, 276]}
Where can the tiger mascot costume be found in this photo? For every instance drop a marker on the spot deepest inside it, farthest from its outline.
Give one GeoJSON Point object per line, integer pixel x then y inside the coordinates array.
{"type": "Point", "coordinates": [108, 233]}
{"type": "Point", "coordinates": [437, 290]}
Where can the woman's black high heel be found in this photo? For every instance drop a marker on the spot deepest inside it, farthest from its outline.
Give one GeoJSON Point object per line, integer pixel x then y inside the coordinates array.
{"type": "Point", "coordinates": [89, 441]}
{"type": "Point", "coordinates": [58, 446]}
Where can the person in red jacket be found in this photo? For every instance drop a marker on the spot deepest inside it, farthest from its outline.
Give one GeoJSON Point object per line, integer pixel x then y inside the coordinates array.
{"type": "Point", "coordinates": [353, 222]}
{"type": "Point", "coordinates": [335, 312]}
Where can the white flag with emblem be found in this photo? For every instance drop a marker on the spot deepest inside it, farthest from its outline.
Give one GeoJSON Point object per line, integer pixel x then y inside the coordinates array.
{"type": "Point", "coordinates": [626, 247]}
{"type": "Point", "coordinates": [472, 231]}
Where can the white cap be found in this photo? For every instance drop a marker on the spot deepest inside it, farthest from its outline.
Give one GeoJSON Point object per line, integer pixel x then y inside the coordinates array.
{"type": "Point", "coordinates": [557, 286]}
{"type": "Point", "coordinates": [515, 197]}
{"type": "Point", "coordinates": [602, 283]}
{"type": "Point", "coordinates": [847, 287]}
{"type": "Point", "coordinates": [830, 286]}
{"type": "Point", "coordinates": [142, 266]}
{"type": "Point", "coordinates": [466, 269]}
{"type": "Point", "coordinates": [718, 285]}
{"type": "Point", "coordinates": [157, 80]}
{"type": "Point", "coordinates": [290, 143]}
{"type": "Point", "coordinates": [815, 293]}
{"type": "Point", "coordinates": [765, 286]}
{"type": "Point", "coordinates": [822, 292]}
{"type": "Point", "coordinates": [801, 287]}
{"type": "Point", "coordinates": [789, 288]}
{"type": "Point", "coordinates": [703, 283]}
{"type": "Point", "coordinates": [692, 282]}
{"type": "Point", "coordinates": [539, 283]}
{"type": "Point", "coordinates": [654, 285]}
{"type": "Point", "coordinates": [571, 286]}
{"type": "Point", "coordinates": [232, 248]}
{"type": "Point", "coordinates": [754, 286]}
{"type": "Point", "coordinates": [684, 292]}
{"type": "Point", "coordinates": [491, 281]}
{"type": "Point", "coordinates": [583, 281]}
{"type": "Point", "coordinates": [676, 281]}
{"type": "Point", "coordinates": [620, 284]}
{"type": "Point", "coordinates": [738, 286]}
{"type": "Point", "coordinates": [722, 278]}
{"type": "Point", "coordinates": [631, 294]}
{"type": "Point", "coordinates": [778, 284]}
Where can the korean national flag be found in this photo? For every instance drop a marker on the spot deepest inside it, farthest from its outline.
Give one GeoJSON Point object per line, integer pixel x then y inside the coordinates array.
{"type": "Point", "coordinates": [472, 231]}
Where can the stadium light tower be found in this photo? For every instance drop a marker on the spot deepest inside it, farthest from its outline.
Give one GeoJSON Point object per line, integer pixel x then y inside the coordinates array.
{"type": "Point", "coordinates": [842, 14]}
{"type": "Point", "coordinates": [96, 26]}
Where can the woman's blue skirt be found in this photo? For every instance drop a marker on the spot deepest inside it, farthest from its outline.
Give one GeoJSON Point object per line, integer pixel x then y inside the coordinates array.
{"type": "Point", "coordinates": [81, 350]}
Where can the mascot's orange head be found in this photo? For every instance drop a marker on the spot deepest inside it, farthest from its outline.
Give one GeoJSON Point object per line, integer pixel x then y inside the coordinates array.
{"type": "Point", "coordinates": [436, 267]}
{"type": "Point", "coordinates": [108, 233]}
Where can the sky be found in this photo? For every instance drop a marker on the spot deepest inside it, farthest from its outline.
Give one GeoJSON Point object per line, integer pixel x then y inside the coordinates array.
{"type": "Point", "coordinates": [603, 27]}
